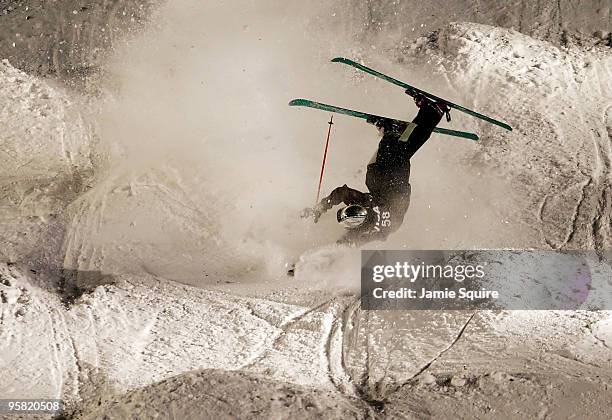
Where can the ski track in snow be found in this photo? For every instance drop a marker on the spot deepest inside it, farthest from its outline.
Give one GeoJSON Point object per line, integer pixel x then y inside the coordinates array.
{"type": "Point", "coordinates": [586, 88]}
{"type": "Point", "coordinates": [145, 329]}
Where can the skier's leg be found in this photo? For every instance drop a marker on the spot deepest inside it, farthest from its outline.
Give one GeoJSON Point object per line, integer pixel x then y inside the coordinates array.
{"type": "Point", "coordinates": [426, 120]}
{"type": "Point", "coordinates": [389, 167]}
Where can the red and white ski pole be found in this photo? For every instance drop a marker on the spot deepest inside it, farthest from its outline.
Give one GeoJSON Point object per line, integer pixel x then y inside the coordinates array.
{"type": "Point", "coordinates": [331, 122]}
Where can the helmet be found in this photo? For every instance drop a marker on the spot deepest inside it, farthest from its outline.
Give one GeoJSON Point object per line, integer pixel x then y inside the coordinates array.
{"type": "Point", "coordinates": [352, 216]}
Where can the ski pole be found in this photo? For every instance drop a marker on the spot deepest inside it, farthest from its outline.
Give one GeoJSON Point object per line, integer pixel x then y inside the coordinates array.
{"type": "Point", "coordinates": [331, 122]}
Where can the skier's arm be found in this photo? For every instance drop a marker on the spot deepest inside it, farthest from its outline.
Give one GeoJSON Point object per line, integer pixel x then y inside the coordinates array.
{"type": "Point", "coordinates": [343, 194]}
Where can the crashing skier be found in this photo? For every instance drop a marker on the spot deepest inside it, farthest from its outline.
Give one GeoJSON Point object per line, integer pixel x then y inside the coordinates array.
{"type": "Point", "coordinates": [376, 214]}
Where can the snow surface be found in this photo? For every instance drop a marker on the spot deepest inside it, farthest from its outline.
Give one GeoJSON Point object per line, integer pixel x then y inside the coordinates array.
{"type": "Point", "coordinates": [120, 231]}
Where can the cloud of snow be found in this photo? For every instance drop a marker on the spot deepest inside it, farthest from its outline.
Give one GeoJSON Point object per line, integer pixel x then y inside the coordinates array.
{"type": "Point", "coordinates": [199, 111]}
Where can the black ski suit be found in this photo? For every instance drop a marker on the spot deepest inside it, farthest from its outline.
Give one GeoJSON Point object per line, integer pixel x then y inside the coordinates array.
{"type": "Point", "coordinates": [387, 177]}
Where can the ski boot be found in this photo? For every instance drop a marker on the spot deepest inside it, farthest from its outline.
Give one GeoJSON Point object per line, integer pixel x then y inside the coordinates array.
{"type": "Point", "coordinates": [421, 100]}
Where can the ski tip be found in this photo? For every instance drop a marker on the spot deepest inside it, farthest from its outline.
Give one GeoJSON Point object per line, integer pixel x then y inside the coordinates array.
{"type": "Point", "coordinates": [471, 136]}
{"type": "Point", "coordinates": [502, 125]}
{"type": "Point", "coordinates": [297, 102]}
{"type": "Point", "coordinates": [339, 60]}
{"type": "Point", "coordinates": [455, 133]}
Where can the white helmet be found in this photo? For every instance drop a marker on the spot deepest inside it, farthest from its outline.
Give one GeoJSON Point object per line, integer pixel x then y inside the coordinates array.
{"type": "Point", "coordinates": [352, 216]}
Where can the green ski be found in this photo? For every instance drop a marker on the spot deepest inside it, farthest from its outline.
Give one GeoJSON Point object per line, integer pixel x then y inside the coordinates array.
{"type": "Point", "coordinates": [412, 91]}
{"type": "Point", "coordinates": [365, 116]}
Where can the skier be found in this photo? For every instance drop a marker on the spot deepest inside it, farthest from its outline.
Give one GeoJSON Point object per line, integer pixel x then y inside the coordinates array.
{"type": "Point", "coordinates": [375, 214]}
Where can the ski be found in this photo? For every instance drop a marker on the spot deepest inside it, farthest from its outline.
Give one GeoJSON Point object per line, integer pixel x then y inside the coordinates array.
{"type": "Point", "coordinates": [365, 116]}
{"type": "Point", "coordinates": [412, 91]}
